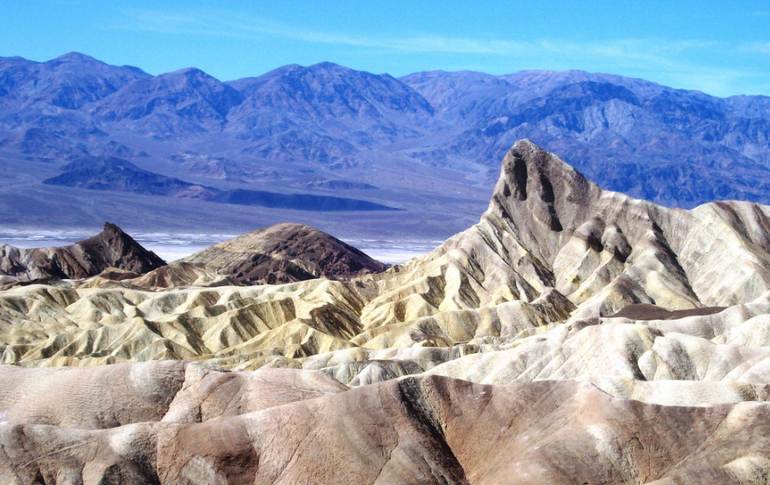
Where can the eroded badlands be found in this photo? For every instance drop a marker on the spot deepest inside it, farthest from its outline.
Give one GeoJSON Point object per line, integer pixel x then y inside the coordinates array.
{"type": "Point", "coordinates": [573, 335]}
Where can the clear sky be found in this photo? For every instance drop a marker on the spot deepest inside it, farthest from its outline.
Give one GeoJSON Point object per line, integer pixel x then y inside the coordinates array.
{"type": "Point", "coordinates": [719, 47]}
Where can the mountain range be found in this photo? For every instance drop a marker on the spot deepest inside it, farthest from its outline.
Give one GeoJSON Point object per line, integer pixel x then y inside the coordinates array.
{"type": "Point", "coordinates": [427, 142]}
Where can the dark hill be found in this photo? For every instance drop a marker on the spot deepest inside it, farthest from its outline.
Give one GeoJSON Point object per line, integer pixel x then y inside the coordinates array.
{"type": "Point", "coordinates": [110, 173]}
{"type": "Point", "coordinates": [110, 248]}
{"type": "Point", "coordinates": [285, 253]}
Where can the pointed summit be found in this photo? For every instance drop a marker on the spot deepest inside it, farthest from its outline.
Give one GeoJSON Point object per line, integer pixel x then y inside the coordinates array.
{"type": "Point", "coordinates": [110, 228]}
{"type": "Point", "coordinates": [110, 248]}
{"type": "Point", "coordinates": [114, 248]}
{"type": "Point", "coordinates": [534, 181]}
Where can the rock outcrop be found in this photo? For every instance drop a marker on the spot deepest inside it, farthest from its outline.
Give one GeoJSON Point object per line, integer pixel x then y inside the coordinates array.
{"type": "Point", "coordinates": [548, 229]}
{"type": "Point", "coordinates": [111, 248]}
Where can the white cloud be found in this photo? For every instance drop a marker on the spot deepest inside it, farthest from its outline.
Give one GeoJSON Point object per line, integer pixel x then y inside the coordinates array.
{"type": "Point", "coordinates": [222, 24]}
{"type": "Point", "coordinates": [664, 60]}
{"type": "Point", "coordinates": [228, 25]}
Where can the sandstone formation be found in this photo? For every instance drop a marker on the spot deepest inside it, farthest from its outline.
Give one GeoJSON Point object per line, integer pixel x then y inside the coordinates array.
{"type": "Point", "coordinates": [573, 335]}
{"type": "Point", "coordinates": [111, 248]}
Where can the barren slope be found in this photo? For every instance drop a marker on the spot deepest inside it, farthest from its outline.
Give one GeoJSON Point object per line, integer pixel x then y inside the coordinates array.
{"type": "Point", "coordinates": [285, 253]}
{"type": "Point", "coordinates": [607, 339]}
{"type": "Point", "coordinates": [110, 248]}
{"type": "Point", "coordinates": [295, 427]}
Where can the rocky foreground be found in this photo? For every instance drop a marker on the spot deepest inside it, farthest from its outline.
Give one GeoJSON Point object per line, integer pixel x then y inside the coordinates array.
{"type": "Point", "coordinates": [176, 422]}
{"type": "Point", "coordinates": [573, 335]}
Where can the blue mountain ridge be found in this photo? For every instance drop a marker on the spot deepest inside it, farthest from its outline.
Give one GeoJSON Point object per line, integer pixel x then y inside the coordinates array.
{"type": "Point", "coordinates": [331, 130]}
{"type": "Point", "coordinates": [115, 174]}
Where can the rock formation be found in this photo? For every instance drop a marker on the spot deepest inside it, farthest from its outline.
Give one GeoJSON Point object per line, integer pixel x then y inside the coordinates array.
{"type": "Point", "coordinates": [572, 335]}
{"type": "Point", "coordinates": [284, 253]}
{"type": "Point", "coordinates": [192, 424]}
{"type": "Point", "coordinates": [111, 248]}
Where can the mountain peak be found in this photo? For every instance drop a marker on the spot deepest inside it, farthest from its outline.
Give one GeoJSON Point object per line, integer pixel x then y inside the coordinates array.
{"type": "Point", "coordinates": [114, 247]}
{"type": "Point", "coordinates": [328, 65]}
{"type": "Point", "coordinates": [283, 253]}
{"type": "Point", "coordinates": [539, 190]}
{"type": "Point", "coordinates": [75, 57]}
{"type": "Point", "coordinates": [111, 228]}
{"type": "Point", "coordinates": [319, 69]}
{"type": "Point", "coordinates": [191, 75]}
{"type": "Point", "coordinates": [188, 72]}
{"type": "Point", "coordinates": [110, 248]}
{"type": "Point", "coordinates": [186, 100]}
{"type": "Point", "coordinates": [529, 169]}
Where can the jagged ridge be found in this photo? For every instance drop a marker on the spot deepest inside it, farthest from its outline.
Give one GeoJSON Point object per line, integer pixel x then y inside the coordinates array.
{"type": "Point", "coordinates": [110, 248]}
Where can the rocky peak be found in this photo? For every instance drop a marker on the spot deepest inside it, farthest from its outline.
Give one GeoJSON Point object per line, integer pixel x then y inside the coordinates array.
{"type": "Point", "coordinates": [110, 248]}
{"type": "Point", "coordinates": [114, 248]}
{"type": "Point", "coordinates": [529, 171]}
{"type": "Point", "coordinates": [110, 228]}
{"type": "Point", "coordinates": [538, 194]}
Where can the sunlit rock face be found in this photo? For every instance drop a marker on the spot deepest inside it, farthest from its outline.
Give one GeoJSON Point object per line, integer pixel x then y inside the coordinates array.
{"type": "Point", "coordinates": [572, 335]}
{"type": "Point", "coordinates": [189, 423]}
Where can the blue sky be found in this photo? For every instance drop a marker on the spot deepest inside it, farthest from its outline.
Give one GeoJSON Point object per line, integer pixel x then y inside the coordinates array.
{"type": "Point", "coordinates": [707, 45]}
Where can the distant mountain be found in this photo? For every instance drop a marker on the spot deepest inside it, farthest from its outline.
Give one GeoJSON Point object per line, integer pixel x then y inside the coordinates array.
{"type": "Point", "coordinates": [328, 91]}
{"type": "Point", "coordinates": [70, 81]}
{"type": "Point", "coordinates": [307, 202]}
{"type": "Point", "coordinates": [184, 101]}
{"type": "Point", "coordinates": [324, 113]}
{"type": "Point", "coordinates": [115, 174]}
{"type": "Point", "coordinates": [673, 146]}
{"type": "Point", "coordinates": [110, 173]}
{"type": "Point", "coordinates": [44, 106]}
{"type": "Point", "coordinates": [340, 185]}
{"type": "Point", "coordinates": [428, 141]}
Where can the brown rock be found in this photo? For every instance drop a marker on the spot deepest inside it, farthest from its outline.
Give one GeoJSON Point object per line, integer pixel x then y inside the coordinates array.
{"type": "Point", "coordinates": [111, 248]}
{"type": "Point", "coordinates": [413, 430]}
{"type": "Point", "coordinates": [285, 253]}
